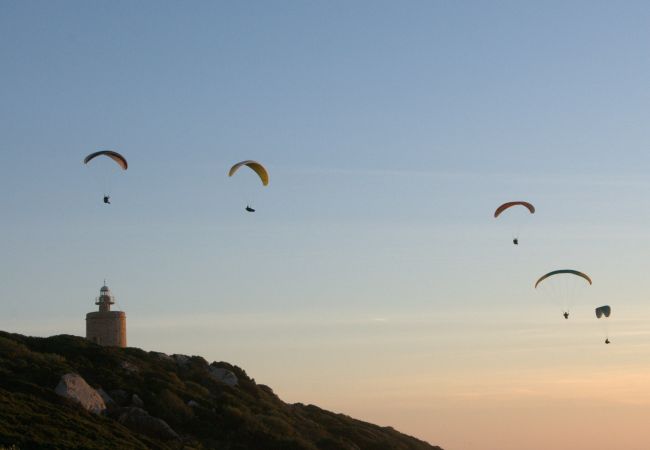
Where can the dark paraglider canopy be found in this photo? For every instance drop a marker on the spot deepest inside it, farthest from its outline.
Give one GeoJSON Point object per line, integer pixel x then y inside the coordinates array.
{"type": "Point", "coordinates": [569, 271]}
{"type": "Point", "coordinates": [119, 159]}
{"type": "Point", "coordinates": [507, 205]}
{"type": "Point", "coordinates": [601, 311]}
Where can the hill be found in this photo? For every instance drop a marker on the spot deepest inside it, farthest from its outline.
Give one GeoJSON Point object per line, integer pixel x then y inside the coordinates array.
{"type": "Point", "coordinates": [153, 400]}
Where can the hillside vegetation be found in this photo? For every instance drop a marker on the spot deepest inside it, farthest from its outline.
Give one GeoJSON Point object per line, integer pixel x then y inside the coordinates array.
{"type": "Point", "coordinates": [203, 412]}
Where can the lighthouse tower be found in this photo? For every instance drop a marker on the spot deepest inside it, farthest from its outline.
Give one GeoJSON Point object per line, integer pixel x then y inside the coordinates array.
{"type": "Point", "coordinates": [106, 327]}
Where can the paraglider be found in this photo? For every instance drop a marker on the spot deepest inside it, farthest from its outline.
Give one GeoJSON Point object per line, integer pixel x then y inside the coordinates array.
{"type": "Point", "coordinates": [509, 205]}
{"type": "Point", "coordinates": [561, 289]}
{"type": "Point", "coordinates": [603, 312]}
{"type": "Point", "coordinates": [119, 160]}
{"type": "Point", "coordinates": [256, 167]}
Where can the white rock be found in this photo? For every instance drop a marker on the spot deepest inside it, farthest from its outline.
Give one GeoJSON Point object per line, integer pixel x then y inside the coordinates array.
{"type": "Point", "coordinates": [224, 375]}
{"type": "Point", "coordinates": [74, 387]}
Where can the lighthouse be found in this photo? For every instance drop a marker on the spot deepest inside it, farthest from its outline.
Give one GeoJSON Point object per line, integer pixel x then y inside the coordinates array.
{"type": "Point", "coordinates": [106, 327]}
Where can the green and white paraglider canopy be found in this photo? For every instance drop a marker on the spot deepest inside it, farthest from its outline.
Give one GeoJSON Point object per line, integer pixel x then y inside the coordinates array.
{"type": "Point", "coordinates": [557, 272]}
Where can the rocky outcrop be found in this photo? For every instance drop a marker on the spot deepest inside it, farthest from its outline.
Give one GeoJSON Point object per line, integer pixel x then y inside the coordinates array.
{"type": "Point", "coordinates": [224, 375]}
{"type": "Point", "coordinates": [120, 396]}
{"type": "Point", "coordinates": [137, 401]}
{"type": "Point", "coordinates": [129, 367]}
{"type": "Point", "coordinates": [180, 399]}
{"type": "Point", "coordinates": [107, 398]}
{"type": "Point", "coordinates": [75, 388]}
{"type": "Point", "coordinates": [181, 360]}
{"type": "Point", "coordinates": [139, 420]}
{"type": "Point", "coordinates": [162, 356]}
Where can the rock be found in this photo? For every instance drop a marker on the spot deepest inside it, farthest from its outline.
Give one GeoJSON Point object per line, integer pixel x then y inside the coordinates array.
{"type": "Point", "coordinates": [224, 375]}
{"type": "Point", "coordinates": [75, 388]}
{"type": "Point", "coordinates": [181, 360]}
{"type": "Point", "coordinates": [199, 361]}
{"type": "Point", "coordinates": [119, 396]}
{"type": "Point", "coordinates": [137, 401]}
{"type": "Point", "coordinates": [107, 398]}
{"type": "Point", "coordinates": [162, 356]}
{"type": "Point", "coordinates": [267, 389]}
{"type": "Point", "coordinates": [129, 367]}
{"type": "Point", "coordinates": [139, 420]}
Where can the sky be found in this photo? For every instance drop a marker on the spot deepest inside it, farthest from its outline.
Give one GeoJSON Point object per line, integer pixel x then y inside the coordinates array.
{"type": "Point", "coordinates": [373, 279]}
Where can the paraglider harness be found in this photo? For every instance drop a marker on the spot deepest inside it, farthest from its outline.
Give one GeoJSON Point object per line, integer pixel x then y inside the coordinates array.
{"type": "Point", "coordinates": [515, 241]}
{"type": "Point", "coordinates": [107, 199]}
{"type": "Point", "coordinates": [566, 314]}
{"type": "Point", "coordinates": [249, 209]}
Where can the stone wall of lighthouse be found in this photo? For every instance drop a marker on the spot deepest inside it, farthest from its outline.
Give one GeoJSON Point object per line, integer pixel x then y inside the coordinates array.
{"type": "Point", "coordinates": [106, 327]}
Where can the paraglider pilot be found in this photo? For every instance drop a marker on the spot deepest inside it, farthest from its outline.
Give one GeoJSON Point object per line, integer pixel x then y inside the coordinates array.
{"type": "Point", "coordinates": [515, 241]}
{"type": "Point", "coordinates": [566, 314]}
{"type": "Point", "coordinates": [607, 341]}
{"type": "Point", "coordinates": [255, 167]}
{"type": "Point", "coordinates": [119, 160]}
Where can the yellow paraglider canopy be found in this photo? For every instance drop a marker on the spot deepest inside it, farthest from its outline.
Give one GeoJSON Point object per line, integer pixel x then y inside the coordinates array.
{"type": "Point", "coordinates": [254, 165]}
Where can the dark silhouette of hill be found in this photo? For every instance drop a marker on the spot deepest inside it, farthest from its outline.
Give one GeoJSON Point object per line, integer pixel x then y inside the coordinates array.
{"type": "Point", "coordinates": [148, 391]}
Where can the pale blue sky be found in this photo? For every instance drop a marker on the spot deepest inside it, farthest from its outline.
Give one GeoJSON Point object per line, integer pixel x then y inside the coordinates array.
{"type": "Point", "coordinates": [391, 131]}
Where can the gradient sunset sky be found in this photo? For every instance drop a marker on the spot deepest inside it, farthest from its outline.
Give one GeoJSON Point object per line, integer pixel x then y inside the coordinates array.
{"type": "Point", "coordinates": [373, 279]}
